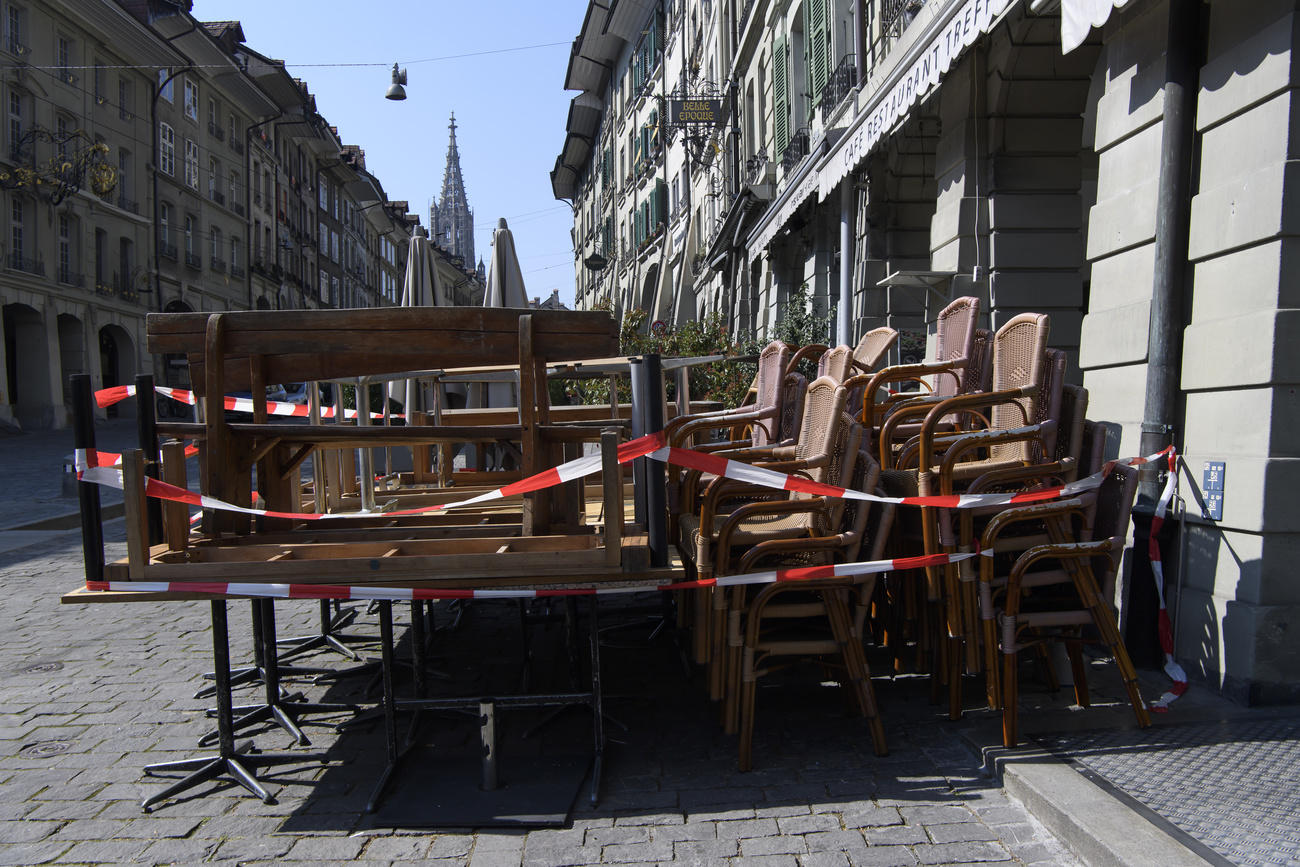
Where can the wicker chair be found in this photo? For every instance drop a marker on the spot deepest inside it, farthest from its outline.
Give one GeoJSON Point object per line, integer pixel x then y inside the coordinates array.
{"type": "Point", "coordinates": [821, 619]}
{"type": "Point", "coordinates": [873, 347]}
{"type": "Point", "coordinates": [729, 516]}
{"type": "Point", "coordinates": [1037, 604]}
{"type": "Point", "coordinates": [955, 336]}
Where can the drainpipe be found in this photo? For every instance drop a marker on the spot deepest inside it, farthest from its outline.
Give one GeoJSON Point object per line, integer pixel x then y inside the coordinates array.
{"type": "Point", "coordinates": [1165, 332]}
{"type": "Point", "coordinates": [859, 41]}
{"type": "Point", "coordinates": [844, 320]}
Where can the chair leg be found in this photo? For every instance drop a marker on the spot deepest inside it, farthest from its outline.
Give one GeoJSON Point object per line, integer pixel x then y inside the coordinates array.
{"type": "Point", "coordinates": [702, 602]}
{"type": "Point", "coordinates": [1010, 697]}
{"type": "Point", "coordinates": [717, 644]}
{"type": "Point", "coordinates": [955, 658]}
{"type": "Point", "coordinates": [992, 681]}
{"type": "Point", "coordinates": [1074, 650]}
{"type": "Point", "coordinates": [1104, 619]}
{"type": "Point", "coordinates": [748, 688]}
{"type": "Point", "coordinates": [855, 663]}
{"type": "Point", "coordinates": [734, 648]}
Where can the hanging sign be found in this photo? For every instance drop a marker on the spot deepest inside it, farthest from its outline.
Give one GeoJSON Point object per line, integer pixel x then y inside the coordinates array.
{"type": "Point", "coordinates": [905, 87]}
{"type": "Point", "coordinates": [707, 112]}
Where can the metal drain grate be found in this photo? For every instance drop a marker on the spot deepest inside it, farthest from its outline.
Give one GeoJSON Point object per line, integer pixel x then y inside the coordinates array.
{"type": "Point", "coordinates": [1234, 787]}
{"type": "Point", "coordinates": [45, 749]}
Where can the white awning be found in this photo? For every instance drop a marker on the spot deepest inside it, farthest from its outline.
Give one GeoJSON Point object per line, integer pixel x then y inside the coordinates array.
{"type": "Point", "coordinates": [1078, 17]}
{"type": "Point", "coordinates": [948, 34]}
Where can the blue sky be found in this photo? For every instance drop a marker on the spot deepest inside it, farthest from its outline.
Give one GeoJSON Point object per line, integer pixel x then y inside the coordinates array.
{"type": "Point", "coordinates": [510, 106]}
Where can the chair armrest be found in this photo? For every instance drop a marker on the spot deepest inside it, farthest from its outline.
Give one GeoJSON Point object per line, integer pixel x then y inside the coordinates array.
{"type": "Point", "coordinates": [1057, 551]}
{"type": "Point", "coordinates": [681, 433]}
{"type": "Point", "coordinates": [777, 507]}
{"type": "Point", "coordinates": [905, 372]}
{"type": "Point", "coordinates": [812, 350]}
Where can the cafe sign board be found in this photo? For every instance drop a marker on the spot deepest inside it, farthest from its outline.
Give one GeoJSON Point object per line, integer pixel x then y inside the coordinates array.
{"type": "Point", "coordinates": [906, 86]}
{"type": "Point", "coordinates": [704, 112]}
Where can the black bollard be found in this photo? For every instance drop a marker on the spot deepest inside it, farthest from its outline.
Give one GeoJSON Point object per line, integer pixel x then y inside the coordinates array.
{"type": "Point", "coordinates": [146, 427]}
{"type": "Point", "coordinates": [83, 438]}
{"type": "Point", "coordinates": [650, 484]}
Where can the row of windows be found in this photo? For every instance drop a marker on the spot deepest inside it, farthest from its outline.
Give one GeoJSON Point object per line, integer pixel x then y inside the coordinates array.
{"type": "Point", "coordinates": [189, 235]}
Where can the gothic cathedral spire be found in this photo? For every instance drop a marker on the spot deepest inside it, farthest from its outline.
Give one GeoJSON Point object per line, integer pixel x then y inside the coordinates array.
{"type": "Point", "coordinates": [451, 217]}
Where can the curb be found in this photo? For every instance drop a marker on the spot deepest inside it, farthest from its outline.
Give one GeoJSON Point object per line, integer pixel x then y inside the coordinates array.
{"type": "Point", "coordinates": [70, 521]}
{"type": "Point", "coordinates": [1101, 827]}
{"type": "Point", "coordinates": [1092, 822]}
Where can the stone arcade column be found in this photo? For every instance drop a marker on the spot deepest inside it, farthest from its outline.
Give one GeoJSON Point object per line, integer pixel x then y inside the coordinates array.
{"type": "Point", "coordinates": [1241, 609]}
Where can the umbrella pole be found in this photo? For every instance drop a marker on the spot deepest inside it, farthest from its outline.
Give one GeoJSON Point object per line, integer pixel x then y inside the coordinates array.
{"type": "Point", "coordinates": [367, 468]}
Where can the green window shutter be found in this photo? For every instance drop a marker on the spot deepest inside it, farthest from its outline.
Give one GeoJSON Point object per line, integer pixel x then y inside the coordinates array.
{"type": "Point", "coordinates": [818, 30]}
{"type": "Point", "coordinates": [780, 95]}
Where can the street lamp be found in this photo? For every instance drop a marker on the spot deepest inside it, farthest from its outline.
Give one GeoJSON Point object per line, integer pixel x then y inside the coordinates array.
{"type": "Point", "coordinates": [395, 90]}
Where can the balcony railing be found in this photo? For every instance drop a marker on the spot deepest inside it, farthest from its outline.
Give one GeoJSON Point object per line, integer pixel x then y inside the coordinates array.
{"type": "Point", "coordinates": [239, 208]}
{"type": "Point", "coordinates": [237, 271]}
{"type": "Point", "coordinates": [19, 262]}
{"type": "Point", "coordinates": [257, 198]}
{"type": "Point", "coordinates": [895, 15]}
{"type": "Point", "coordinates": [193, 260]}
{"type": "Point", "coordinates": [217, 196]}
{"type": "Point", "coordinates": [118, 288]}
{"type": "Point", "coordinates": [218, 265]}
{"type": "Point", "coordinates": [167, 251]}
{"type": "Point", "coordinates": [68, 277]}
{"type": "Point", "coordinates": [128, 204]}
{"type": "Point", "coordinates": [744, 14]}
{"type": "Point", "coordinates": [838, 87]}
{"type": "Point", "coordinates": [795, 151]}
{"type": "Point", "coordinates": [216, 131]}
{"type": "Point", "coordinates": [14, 46]}
{"type": "Point", "coordinates": [236, 145]}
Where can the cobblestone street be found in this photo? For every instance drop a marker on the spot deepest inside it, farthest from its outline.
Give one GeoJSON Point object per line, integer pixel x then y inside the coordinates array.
{"type": "Point", "coordinates": [92, 693]}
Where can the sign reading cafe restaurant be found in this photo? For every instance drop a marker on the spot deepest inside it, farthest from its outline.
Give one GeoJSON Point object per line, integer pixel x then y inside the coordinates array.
{"type": "Point", "coordinates": [906, 84]}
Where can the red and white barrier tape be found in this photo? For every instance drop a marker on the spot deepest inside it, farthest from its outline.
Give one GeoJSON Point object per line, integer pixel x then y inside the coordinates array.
{"type": "Point", "coordinates": [114, 459]}
{"type": "Point", "coordinates": [650, 446]}
{"type": "Point", "coordinates": [364, 592]}
{"type": "Point", "coordinates": [1165, 628]}
{"type": "Point", "coordinates": [106, 397]}
{"type": "Point", "coordinates": [111, 476]}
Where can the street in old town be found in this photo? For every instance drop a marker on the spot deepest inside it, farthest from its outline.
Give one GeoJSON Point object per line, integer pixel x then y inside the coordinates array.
{"type": "Point", "coordinates": [92, 693]}
{"type": "Point", "coordinates": [790, 432]}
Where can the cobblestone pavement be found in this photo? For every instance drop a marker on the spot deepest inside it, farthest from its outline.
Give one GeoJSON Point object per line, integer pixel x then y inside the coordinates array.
{"type": "Point", "coordinates": [92, 693]}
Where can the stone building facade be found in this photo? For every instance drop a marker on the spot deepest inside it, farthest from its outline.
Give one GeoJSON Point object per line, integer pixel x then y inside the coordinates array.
{"type": "Point", "coordinates": [151, 162]}
{"type": "Point", "coordinates": [889, 156]}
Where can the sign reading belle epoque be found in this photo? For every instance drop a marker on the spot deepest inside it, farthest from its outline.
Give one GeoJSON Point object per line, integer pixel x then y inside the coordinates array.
{"type": "Point", "coordinates": [708, 112]}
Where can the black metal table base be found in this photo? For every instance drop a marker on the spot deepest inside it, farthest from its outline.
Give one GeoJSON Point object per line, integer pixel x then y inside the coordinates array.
{"type": "Point", "coordinates": [238, 763]}
{"type": "Point", "coordinates": [276, 708]}
{"type": "Point", "coordinates": [485, 708]}
{"type": "Point", "coordinates": [332, 620]}
{"type": "Point", "coordinates": [257, 672]}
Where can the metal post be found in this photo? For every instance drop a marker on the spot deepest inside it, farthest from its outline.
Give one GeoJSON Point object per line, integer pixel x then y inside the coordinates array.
{"type": "Point", "coordinates": [366, 466]}
{"type": "Point", "coordinates": [83, 437]}
{"type": "Point", "coordinates": [318, 458]}
{"type": "Point", "coordinates": [844, 320]}
{"type": "Point", "coordinates": [487, 732]}
{"type": "Point", "coordinates": [652, 494]}
{"type": "Point", "coordinates": [1165, 331]}
{"type": "Point", "coordinates": [146, 426]}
